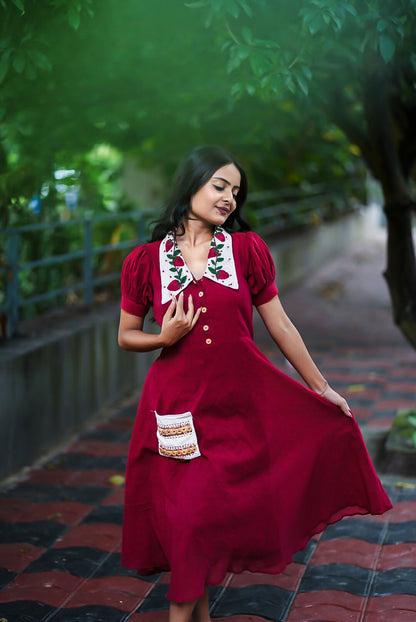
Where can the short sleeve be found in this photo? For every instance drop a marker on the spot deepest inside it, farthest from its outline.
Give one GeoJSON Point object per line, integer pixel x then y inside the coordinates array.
{"type": "Point", "coordinates": [136, 289]}
{"type": "Point", "coordinates": [261, 272]}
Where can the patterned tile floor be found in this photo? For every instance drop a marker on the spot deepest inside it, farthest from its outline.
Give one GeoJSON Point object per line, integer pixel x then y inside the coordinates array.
{"type": "Point", "coordinates": [60, 523]}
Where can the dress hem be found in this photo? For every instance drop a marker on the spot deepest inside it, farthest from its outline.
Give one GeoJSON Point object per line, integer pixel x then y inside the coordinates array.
{"type": "Point", "coordinates": [238, 568]}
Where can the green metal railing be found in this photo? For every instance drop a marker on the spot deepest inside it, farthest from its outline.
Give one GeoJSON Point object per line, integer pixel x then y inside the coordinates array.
{"type": "Point", "coordinates": [291, 208]}
{"type": "Point", "coordinates": [13, 267]}
{"type": "Point", "coordinates": [271, 212]}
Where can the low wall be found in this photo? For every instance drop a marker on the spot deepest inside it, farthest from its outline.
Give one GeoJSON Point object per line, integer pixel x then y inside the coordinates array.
{"type": "Point", "coordinates": [52, 385]}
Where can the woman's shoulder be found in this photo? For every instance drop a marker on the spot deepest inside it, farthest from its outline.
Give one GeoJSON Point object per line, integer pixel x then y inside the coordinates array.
{"type": "Point", "coordinates": [142, 256]}
{"type": "Point", "coordinates": [144, 250]}
{"type": "Point", "coordinates": [245, 236]}
{"type": "Point", "coordinates": [247, 239]}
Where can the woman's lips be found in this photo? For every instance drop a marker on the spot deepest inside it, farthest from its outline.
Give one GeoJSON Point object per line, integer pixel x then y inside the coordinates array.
{"type": "Point", "coordinates": [223, 210]}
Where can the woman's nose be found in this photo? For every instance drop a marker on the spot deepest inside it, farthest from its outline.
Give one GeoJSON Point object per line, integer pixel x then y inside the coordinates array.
{"type": "Point", "coordinates": [229, 195]}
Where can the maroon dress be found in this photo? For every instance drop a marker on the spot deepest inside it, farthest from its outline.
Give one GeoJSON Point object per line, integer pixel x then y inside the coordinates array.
{"type": "Point", "coordinates": [277, 464]}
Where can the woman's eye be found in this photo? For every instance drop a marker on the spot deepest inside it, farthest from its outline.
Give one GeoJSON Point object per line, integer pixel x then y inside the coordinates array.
{"type": "Point", "coordinates": [218, 188]}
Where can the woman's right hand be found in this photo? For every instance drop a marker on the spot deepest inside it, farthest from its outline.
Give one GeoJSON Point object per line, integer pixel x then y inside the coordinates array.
{"type": "Point", "coordinates": [176, 323]}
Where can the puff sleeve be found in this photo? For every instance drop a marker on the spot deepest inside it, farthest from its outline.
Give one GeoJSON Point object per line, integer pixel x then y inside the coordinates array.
{"type": "Point", "coordinates": [136, 289]}
{"type": "Point", "coordinates": [261, 271]}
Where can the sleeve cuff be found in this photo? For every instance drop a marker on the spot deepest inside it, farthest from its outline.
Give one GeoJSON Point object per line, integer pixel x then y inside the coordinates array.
{"type": "Point", "coordinates": [266, 294]}
{"type": "Point", "coordinates": [132, 307]}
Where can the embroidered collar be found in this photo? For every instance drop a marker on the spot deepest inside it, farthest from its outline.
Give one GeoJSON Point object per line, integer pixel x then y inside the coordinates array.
{"type": "Point", "coordinates": [175, 274]}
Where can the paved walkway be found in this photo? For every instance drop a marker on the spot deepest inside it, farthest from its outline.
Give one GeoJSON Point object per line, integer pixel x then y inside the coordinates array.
{"type": "Point", "coordinates": [61, 523]}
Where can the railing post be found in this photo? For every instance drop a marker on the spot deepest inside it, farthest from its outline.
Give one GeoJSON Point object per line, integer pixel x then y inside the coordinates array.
{"type": "Point", "coordinates": [141, 229]}
{"type": "Point", "coordinates": [12, 263]}
{"type": "Point", "coordinates": [88, 258]}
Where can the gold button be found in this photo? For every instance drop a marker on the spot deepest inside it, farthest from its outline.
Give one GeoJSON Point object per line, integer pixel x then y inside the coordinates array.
{"type": "Point", "coordinates": [204, 309]}
{"type": "Point", "coordinates": [206, 327]}
{"type": "Point", "coordinates": [208, 341]}
{"type": "Point", "coordinates": [201, 294]}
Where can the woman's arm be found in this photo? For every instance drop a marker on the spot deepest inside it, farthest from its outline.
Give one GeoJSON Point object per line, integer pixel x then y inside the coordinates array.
{"type": "Point", "coordinates": [176, 324]}
{"type": "Point", "coordinates": [291, 344]}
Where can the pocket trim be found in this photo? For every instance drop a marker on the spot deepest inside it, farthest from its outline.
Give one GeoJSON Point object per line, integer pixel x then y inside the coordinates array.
{"type": "Point", "coordinates": [176, 436]}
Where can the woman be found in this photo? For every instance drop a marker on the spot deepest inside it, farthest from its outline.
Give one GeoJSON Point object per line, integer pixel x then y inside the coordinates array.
{"type": "Point", "coordinates": [233, 465]}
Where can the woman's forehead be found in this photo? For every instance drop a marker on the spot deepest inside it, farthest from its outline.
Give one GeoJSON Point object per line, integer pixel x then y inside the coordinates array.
{"type": "Point", "coordinates": [228, 173]}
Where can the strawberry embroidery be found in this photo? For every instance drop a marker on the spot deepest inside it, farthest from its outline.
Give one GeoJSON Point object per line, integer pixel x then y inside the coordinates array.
{"type": "Point", "coordinates": [215, 259]}
{"type": "Point", "coordinates": [176, 262]}
{"type": "Point", "coordinates": [222, 274]}
{"type": "Point", "coordinates": [173, 286]}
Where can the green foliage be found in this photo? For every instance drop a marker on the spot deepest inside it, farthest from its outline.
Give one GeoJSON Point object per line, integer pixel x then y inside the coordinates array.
{"type": "Point", "coordinates": [293, 44]}
{"type": "Point", "coordinates": [81, 73]}
{"type": "Point", "coordinates": [403, 432]}
{"type": "Point", "coordinates": [329, 51]}
{"type": "Point", "coordinates": [86, 82]}
{"type": "Point", "coordinates": [26, 37]}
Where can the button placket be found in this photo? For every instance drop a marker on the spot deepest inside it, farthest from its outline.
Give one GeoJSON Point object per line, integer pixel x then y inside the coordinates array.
{"type": "Point", "coordinates": [205, 327]}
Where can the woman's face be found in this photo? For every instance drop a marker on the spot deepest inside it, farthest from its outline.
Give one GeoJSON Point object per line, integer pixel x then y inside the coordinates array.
{"type": "Point", "coordinates": [216, 200]}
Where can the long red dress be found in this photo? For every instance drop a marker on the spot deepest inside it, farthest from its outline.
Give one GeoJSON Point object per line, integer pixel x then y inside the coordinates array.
{"type": "Point", "coordinates": [278, 462]}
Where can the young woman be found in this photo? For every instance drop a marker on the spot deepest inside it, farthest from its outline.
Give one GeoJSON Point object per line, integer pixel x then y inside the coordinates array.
{"type": "Point", "coordinates": [233, 465]}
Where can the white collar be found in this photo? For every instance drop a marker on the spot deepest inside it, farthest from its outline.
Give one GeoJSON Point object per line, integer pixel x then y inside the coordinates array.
{"type": "Point", "coordinates": [175, 274]}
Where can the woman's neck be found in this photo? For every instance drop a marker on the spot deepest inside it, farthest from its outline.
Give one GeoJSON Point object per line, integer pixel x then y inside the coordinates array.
{"type": "Point", "coordinates": [196, 233]}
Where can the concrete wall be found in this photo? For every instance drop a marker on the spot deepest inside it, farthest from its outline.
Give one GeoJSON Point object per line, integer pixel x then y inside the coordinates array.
{"type": "Point", "coordinates": [298, 255]}
{"type": "Point", "coordinates": [52, 386]}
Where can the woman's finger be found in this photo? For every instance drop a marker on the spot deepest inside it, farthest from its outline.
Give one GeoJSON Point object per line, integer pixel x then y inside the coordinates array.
{"type": "Point", "coordinates": [179, 306]}
{"type": "Point", "coordinates": [338, 400]}
{"type": "Point", "coordinates": [190, 306]}
{"type": "Point", "coordinates": [196, 316]}
{"type": "Point", "coordinates": [171, 308]}
{"type": "Point", "coordinates": [345, 409]}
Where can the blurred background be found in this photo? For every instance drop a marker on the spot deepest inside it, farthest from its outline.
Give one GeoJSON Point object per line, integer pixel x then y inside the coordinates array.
{"type": "Point", "coordinates": [101, 99]}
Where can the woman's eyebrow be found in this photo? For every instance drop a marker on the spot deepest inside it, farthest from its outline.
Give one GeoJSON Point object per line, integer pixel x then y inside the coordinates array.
{"type": "Point", "coordinates": [226, 182]}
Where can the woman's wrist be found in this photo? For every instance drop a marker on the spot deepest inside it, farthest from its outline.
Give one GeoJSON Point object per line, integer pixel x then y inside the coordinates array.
{"type": "Point", "coordinates": [322, 387]}
{"type": "Point", "coordinates": [325, 388]}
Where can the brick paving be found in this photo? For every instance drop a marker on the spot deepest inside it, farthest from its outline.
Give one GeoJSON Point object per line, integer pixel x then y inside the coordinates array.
{"type": "Point", "coordinates": [60, 523]}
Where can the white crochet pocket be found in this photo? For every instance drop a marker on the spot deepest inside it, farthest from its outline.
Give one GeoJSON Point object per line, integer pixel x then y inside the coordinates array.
{"type": "Point", "coordinates": [176, 436]}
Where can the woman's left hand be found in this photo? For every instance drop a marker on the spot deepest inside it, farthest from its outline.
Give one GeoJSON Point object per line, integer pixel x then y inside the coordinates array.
{"type": "Point", "coordinates": [337, 399]}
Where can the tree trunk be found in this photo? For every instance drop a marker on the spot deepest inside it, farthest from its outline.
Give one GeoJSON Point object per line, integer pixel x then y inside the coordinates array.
{"type": "Point", "coordinates": [401, 268]}
{"type": "Point", "coordinates": [401, 261]}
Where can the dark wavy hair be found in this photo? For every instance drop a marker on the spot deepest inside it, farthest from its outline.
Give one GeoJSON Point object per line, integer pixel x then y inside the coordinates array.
{"type": "Point", "coordinates": [193, 172]}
